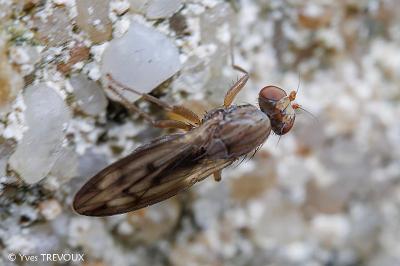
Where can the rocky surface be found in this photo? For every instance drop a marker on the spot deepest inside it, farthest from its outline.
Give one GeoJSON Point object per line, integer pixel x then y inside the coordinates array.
{"type": "Point", "coordinates": [327, 193]}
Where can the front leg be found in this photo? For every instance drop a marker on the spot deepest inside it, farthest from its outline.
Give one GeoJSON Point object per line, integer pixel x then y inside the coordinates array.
{"type": "Point", "coordinates": [235, 89]}
{"type": "Point", "coordinates": [217, 175]}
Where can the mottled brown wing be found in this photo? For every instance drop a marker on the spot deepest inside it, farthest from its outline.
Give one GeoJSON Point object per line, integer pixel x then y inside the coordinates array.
{"type": "Point", "coordinates": [152, 173]}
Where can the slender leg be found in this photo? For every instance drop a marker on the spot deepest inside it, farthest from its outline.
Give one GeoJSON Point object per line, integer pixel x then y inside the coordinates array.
{"type": "Point", "coordinates": [217, 175]}
{"type": "Point", "coordinates": [235, 89]}
{"type": "Point", "coordinates": [186, 113]}
{"type": "Point", "coordinates": [172, 124]}
{"type": "Point", "coordinates": [176, 109]}
{"type": "Point", "coordinates": [158, 123]}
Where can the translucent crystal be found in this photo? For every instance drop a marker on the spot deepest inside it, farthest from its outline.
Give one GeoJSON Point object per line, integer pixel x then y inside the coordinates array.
{"type": "Point", "coordinates": [88, 95]}
{"type": "Point", "coordinates": [162, 9]}
{"type": "Point", "coordinates": [155, 9]}
{"type": "Point", "coordinates": [46, 117]}
{"type": "Point", "coordinates": [142, 59]}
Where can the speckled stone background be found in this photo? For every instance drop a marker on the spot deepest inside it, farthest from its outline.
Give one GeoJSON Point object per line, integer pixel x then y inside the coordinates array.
{"type": "Point", "coordinates": [327, 193]}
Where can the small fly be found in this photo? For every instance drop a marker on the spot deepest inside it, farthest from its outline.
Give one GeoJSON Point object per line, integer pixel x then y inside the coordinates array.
{"type": "Point", "coordinates": [167, 165]}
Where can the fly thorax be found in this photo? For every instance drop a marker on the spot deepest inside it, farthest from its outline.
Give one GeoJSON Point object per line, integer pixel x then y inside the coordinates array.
{"type": "Point", "coordinates": [242, 130]}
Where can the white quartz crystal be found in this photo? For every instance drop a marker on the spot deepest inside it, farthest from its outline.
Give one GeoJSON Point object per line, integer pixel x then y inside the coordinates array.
{"type": "Point", "coordinates": [162, 8]}
{"type": "Point", "coordinates": [88, 95]}
{"type": "Point", "coordinates": [142, 59]}
{"type": "Point", "coordinates": [155, 9]}
{"type": "Point", "coordinates": [46, 117]}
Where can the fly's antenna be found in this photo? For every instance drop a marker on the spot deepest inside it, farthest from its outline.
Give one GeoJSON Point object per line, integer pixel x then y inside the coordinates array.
{"type": "Point", "coordinates": [297, 106]}
{"type": "Point", "coordinates": [293, 94]}
{"type": "Point", "coordinates": [298, 83]}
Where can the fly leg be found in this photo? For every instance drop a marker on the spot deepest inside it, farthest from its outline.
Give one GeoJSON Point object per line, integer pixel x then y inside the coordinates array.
{"type": "Point", "coordinates": [156, 123]}
{"type": "Point", "coordinates": [217, 175]}
{"type": "Point", "coordinates": [176, 109]}
{"type": "Point", "coordinates": [235, 89]}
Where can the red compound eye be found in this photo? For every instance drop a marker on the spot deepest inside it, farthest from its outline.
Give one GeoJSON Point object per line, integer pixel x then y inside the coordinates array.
{"type": "Point", "coordinates": [272, 93]}
{"type": "Point", "coordinates": [268, 97]}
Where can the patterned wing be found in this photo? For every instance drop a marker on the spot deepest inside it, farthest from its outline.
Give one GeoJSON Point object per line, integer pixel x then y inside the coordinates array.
{"type": "Point", "coordinates": [152, 173]}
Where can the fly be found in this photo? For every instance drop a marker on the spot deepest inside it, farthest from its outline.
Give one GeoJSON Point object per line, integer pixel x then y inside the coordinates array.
{"type": "Point", "coordinates": [170, 164]}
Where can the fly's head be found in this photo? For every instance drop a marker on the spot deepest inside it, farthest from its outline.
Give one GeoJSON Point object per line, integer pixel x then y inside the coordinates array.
{"type": "Point", "coordinates": [279, 107]}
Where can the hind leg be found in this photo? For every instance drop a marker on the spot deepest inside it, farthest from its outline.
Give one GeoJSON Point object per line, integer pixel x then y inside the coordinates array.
{"type": "Point", "coordinates": [176, 109]}
{"type": "Point", "coordinates": [156, 123]}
